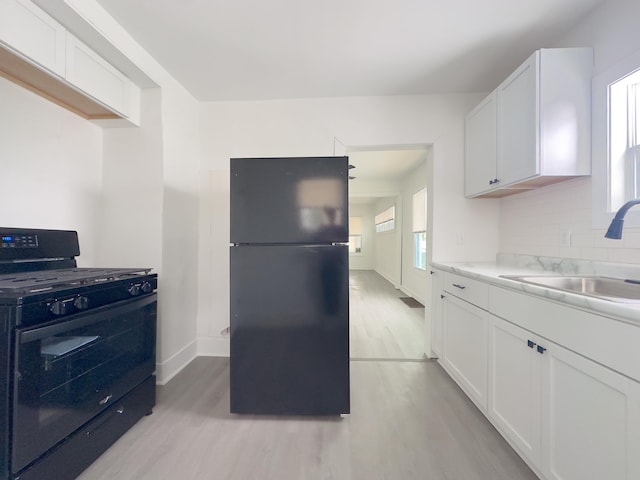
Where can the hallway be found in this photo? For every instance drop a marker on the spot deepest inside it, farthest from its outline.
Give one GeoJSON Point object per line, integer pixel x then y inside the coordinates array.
{"type": "Point", "coordinates": [382, 327]}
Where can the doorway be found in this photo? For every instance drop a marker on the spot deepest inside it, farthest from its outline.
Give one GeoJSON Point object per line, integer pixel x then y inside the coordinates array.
{"type": "Point", "coordinates": [387, 292]}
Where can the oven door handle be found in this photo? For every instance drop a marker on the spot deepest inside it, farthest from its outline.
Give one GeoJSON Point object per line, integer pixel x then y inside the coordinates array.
{"type": "Point", "coordinates": [86, 318]}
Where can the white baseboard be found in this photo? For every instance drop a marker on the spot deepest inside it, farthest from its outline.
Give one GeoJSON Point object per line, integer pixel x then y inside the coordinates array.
{"type": "Point", "coordinates": [213, 347]}
{"type": "Point", "coordinates": [387, 278]}
{"type": "Point", "coordinates": [168, 369]}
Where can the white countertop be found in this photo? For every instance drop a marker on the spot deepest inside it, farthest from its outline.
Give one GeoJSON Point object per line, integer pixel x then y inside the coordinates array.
{"type": "Point", "coordinates": [491, 273]}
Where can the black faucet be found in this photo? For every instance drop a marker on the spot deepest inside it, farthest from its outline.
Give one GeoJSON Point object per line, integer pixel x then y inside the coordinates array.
{"type": "Point", "coordinates": [615, 229]}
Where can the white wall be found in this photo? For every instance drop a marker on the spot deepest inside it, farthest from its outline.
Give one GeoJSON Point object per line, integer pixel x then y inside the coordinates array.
{"type": "Point", "coordinates": [50, 168]}
{"type": "Point", "coordinates": [163, 158]}
{"type": "Point", "coordinates": [531, 223]}
{"type": "Point", "coordinates": [414, 280]}
{"type": "Point", "coordinates": [310, 127]}
{"type": "Point", "coordinates": [458, 228]}
{"type": "Point", "coordinates": [366, 259]}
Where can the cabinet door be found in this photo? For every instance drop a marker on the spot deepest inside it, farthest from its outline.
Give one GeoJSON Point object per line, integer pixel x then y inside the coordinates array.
{"type": "Point", "coordinates": [517, 100]}
{"type": "Point", "coordinates": [29, 31]}
{"type": "Point", "coordinates": [465, 347]}
{"type": "Point", "coordinates": [514, 386]}
{"type": "Point", "coordinates": [436, 313]}
{"type": "Point", "coordinates": [590, 415]}
{"type": "Point", "coordinates": [480, 155]}
{"type": "Point", "coordinates": [94, 76]}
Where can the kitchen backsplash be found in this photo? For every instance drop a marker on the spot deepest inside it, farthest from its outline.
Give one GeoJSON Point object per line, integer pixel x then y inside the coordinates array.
{"type": "Point", "coordinates": [536, 223]}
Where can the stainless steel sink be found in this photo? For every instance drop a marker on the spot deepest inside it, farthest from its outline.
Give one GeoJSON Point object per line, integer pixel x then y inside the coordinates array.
{"type": "Point", "coordinates": [614, 289]}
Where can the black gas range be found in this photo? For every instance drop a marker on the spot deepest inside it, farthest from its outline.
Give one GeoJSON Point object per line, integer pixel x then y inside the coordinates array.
{"type": "Point", "coordinates": [77, 354]}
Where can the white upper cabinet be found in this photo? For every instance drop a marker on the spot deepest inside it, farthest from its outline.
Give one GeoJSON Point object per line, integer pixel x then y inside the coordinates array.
{"type": "Point", "coordinates": [480, 147]}
{"type": "Point", "coordinates": [539, 121]}
{"type": "Point", "coordinates": [517, 117]}
{"type": "Point", "coordinates": [27, 30]}
{"type": "Point", "coordinates": [90, 73]}
{"type": "Point", "coordinates": [40, 54]}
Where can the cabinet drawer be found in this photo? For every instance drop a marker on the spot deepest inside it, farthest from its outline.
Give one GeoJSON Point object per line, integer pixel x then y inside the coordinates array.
{"type": "Point", "coordinates": [473, 291]}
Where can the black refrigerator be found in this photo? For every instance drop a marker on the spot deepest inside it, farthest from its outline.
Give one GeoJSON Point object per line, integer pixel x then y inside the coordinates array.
{"type": "Point", "coordinates": [289, 286]}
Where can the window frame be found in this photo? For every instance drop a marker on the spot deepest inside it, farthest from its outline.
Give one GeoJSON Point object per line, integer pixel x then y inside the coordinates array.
{"type": "Point", "coordinates": [419, 236]}
{"type": "Point", "coordinates": [602, 212]}
{"type": "Point", "coordinates": [384, 224]}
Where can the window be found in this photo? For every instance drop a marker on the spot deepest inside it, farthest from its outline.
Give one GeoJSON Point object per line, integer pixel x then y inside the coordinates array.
{"type": "Point", "coordinates": [385, 221]}
{"type": "Point", "coordinates": [624, 139]}
{"type": "Point", "coordinates": [355, 234]}
{"type": "Point", "coordinates": [616, 138]}
{"type": "Point", "coordinates": [420, 229]}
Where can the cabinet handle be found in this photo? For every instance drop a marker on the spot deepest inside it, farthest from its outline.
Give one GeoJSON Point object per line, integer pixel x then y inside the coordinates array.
{"type": "Point", "coordinates": [461, 287]}
{"type": "Point", "coordinates": [441, 296]}
{"type": "Point", "coordinates": [541, 349]}
{"type": "Point", "coordinates": [431, 272]}
{"type": "Point", "coordinates": [530, 344]}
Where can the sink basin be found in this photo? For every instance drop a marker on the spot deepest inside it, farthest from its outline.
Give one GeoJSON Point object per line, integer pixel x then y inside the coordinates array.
{"type": "Point", "coordinates": [614, 289]}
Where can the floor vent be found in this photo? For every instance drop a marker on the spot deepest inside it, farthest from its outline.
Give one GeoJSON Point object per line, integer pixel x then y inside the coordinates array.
{"type": "Point", "coordinates": [411, 302]}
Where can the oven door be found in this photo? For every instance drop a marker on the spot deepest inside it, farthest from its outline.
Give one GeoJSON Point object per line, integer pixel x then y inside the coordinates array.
{"type": "Point", "coordinates": [69, 371]}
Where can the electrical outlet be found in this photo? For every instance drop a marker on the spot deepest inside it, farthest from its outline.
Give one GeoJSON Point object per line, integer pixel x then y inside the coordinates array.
{"type": "Point", "coordinates": [565, 238]}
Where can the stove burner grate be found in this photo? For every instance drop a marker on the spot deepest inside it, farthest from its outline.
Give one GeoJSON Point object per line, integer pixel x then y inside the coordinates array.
{"type": "Point", "coordinates": [40, 281]}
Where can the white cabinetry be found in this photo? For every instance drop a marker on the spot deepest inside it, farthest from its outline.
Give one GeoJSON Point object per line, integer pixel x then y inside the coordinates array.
{"type": "Point", "coordinates": [464, 339]}
{"type": "Point", "coordinates": [539, 121]}
{"type": "Point", "coordinates": [518, 119]}
{"type": "Point", "coordinates": [437, 297]}
{"type": "Point", "coordinates": [568, 416]}
{"type": "Point", "coordinates": [515, 386]}
{"type": "Point", "coordinates": [591, 419]}
{"type": "Point", "coordinates": [27, 30]}
{"type": "Point", "coordinates": [39, 54]}
{"type": "Point", "coordinates": [465, 347]}
{"type": "Point", "coordinates": [480, 147]}
{"type": "Point", "coordinates": [90, 73]}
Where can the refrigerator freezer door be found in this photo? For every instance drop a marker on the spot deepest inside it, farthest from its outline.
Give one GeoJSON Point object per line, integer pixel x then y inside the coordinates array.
{"type": "Point", "coordinates": [289, 330]}
{"type": "Point", "coordinates": [289, 200]}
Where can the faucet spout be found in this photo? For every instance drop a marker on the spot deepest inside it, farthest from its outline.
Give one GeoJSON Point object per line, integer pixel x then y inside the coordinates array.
{"type": "Point", "coordinates": [615, 228]}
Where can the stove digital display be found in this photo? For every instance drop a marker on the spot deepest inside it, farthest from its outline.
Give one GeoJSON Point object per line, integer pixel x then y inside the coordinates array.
{"type": "Point", "coordinates": [19, 241]}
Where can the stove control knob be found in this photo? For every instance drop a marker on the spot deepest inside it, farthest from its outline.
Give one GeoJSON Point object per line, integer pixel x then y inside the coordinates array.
{"type": "Point", "coordinates": [60, 307]}
{"type": "Point", "coordinates": [81, 303]}
{"type": "Point", "coordinates": [134, 290]}
{"type": "Point", "coordinates": [146, 287]}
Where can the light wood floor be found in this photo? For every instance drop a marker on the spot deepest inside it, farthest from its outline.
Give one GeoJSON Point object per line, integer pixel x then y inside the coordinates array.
{"type": "Point", "coordinates": [409, 421]}
{"type": "Point", "coordinates": [382, 326]}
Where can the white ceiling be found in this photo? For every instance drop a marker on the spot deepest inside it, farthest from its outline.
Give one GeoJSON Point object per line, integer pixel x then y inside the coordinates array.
{"type": "Point", "coordinates": [385, 163]}
{"type": "Point", "coordinates": [257, 49]}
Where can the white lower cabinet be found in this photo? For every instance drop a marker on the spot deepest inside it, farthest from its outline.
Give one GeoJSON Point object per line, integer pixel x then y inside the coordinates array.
{"type": "Point", "coordinates": [569, 417]}
{"type": "Point", "coordinates": [591, 419]}
{"type": "Point", "coordinates": [515, 386]}
{"type": "Point", "coordinates": [464, 347]}
{"type": "Point", "coordinates": [437, 325]}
